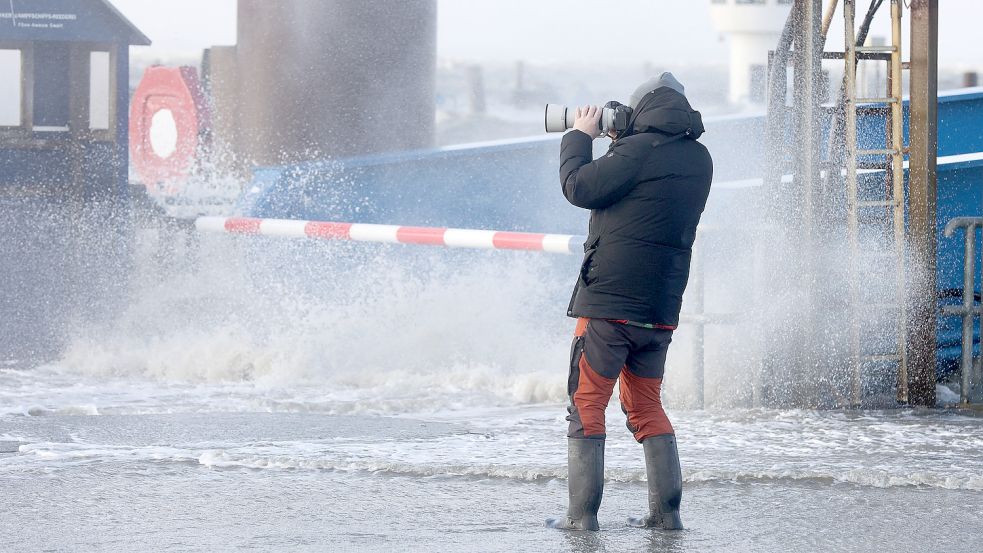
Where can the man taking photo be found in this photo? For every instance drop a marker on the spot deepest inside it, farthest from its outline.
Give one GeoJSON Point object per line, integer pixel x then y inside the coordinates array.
{"type": "Point", "coordinates": [646, 195]}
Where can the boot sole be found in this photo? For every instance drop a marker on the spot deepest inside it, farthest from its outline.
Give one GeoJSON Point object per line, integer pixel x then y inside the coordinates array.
{"type": "Point", "coordinates": [645, 523]}
{"type": "Point", "coordinates": [562, 524]}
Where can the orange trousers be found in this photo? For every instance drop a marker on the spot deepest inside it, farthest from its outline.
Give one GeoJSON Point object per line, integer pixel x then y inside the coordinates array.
{"type": "Point", "coordinates": [604, 352]}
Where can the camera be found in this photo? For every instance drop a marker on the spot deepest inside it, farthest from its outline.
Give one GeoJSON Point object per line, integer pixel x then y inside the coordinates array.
{"type": "Point", "coordinates": [614, 116]}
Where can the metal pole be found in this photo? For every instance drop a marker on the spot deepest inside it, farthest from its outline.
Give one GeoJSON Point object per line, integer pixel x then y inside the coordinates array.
{"type": "Point", "coordinates": [922, 199]}
{"type": "Point", "coordinates": [897, 195]}
{"type": "Point", "coordinates": [777, 100]}
{"type": "Point", "coordinates": [807, 64]}
{"type": "Point", "coordinates": [807, 68]}
{"type": "Point", "coordinates": [828, 17]}
{"type": "Point", "coordinates": [968, 311]}
{"type": "Point", "coordinates": [699, 356]}
{"type": "Point", "coordinates": [777, 199]}
{"type": "Point", "coordinates": [969, 281]}
{"type": "Point", "coordinates": [976, 311]}
{"type": "Point", "coordinates": [850, 153]}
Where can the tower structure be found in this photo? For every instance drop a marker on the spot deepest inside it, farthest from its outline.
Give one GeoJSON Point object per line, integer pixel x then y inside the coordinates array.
{"type": "Point", "coordinates": [753, 27]}
{"type": "Point", "coordinates": [334, 78]}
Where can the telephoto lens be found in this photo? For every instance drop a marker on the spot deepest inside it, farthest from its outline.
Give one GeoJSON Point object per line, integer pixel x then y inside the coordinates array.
{"type": "Point", "coordinates": [560, 118]}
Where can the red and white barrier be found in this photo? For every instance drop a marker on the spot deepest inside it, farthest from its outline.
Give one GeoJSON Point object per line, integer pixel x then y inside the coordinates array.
{"type": "Point", "coordinates": [362, 232]}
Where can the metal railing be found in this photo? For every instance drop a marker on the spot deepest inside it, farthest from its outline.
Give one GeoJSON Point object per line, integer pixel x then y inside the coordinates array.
{"type": "Point", "coordinates": [968, 310]}
{"type": "Point", "coordinates": [698, 317]}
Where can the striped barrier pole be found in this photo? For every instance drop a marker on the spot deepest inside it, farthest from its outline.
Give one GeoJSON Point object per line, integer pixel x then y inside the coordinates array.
{"type": "Point", "coordinates": [447, 237]}
{"type": "Point", "coordinates": [394, 234]}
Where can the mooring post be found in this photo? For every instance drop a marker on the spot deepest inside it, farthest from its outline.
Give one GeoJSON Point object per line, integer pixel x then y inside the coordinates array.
{"type": "Point", "coordinates": [922, 199]}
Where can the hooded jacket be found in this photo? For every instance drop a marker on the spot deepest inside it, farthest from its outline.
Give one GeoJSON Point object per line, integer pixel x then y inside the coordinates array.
{"type": "Point", "coordinates": [646, 196]}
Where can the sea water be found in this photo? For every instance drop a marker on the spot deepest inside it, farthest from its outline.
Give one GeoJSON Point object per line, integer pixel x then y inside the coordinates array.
{"type": "Point", "coordinates": [418, 404]}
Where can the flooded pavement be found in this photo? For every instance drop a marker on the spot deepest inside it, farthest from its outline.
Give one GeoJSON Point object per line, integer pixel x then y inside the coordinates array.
{"type": "Point", "coordinates": [133, 464]}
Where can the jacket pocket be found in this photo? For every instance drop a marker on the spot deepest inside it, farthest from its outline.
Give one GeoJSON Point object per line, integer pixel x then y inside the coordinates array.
{"type": "Point", "coordinates": [591, 243]}
{"type": "Point", "coordinates": [587, 265]}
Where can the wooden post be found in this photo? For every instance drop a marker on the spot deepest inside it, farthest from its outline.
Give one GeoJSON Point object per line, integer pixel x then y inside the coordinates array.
{"type": "Point", "coordinates": [923, 188]}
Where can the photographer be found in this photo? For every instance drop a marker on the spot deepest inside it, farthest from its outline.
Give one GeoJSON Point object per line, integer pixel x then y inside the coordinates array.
{"type": "Point", "coordinates": [646, 195]}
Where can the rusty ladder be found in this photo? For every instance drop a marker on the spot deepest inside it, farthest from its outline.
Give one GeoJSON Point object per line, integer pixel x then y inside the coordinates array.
{"type": "Point", "coordinates": [890, 248]}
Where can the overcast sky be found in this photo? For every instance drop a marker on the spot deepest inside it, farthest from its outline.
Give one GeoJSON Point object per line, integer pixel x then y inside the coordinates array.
{"type": "Point", "coordinates": [591, 31]}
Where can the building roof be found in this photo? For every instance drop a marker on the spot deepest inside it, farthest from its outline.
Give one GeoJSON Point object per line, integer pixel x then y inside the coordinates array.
{"type": "Point", "coordinates": [67, 20]}
{"type": "Point", "coordinates": [137, 38]}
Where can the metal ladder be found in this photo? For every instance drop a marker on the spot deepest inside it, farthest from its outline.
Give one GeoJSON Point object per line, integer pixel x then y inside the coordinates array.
{"type": "Point", "coordinates": [890, 159]}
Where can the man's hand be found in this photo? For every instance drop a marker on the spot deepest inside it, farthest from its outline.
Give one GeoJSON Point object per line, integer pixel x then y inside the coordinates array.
{"type": "Point", "coordinates": [588, 121]}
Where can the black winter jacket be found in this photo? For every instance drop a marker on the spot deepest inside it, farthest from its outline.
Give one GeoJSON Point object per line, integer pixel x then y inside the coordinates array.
{"type": "Point", "coordinates": [646, 195]}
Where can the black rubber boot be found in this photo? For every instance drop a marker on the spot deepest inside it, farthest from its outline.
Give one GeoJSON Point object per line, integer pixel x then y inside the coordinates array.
{"type": "Point", "coordinates": [585, 462]}
{"type": "Point", "coordinates": [665, 484]}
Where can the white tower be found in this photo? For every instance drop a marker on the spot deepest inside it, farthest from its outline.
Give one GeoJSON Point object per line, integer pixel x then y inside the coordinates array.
{"type": "Point", "coordinates": [754, 27]}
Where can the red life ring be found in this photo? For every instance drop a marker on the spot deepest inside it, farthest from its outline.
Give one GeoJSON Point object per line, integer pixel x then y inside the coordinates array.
{"type": "Point", "coordinates": [169, 121]}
